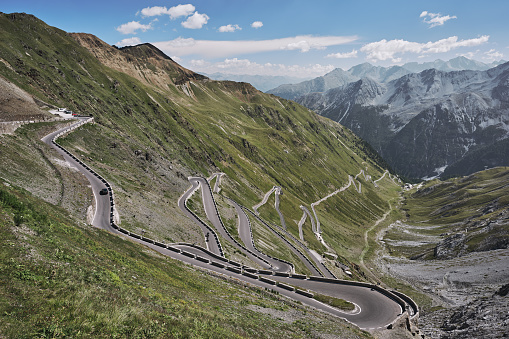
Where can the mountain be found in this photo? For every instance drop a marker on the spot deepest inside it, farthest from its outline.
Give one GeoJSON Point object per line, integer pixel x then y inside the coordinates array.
{"type": "Point", "coordinates": [424, 122]}
{"type": "Point", "coordinates": [261, 82]}
{"type": "Point", "coordinates": [156, 124]}
{"type": "Point", "coordinates": [460, 63]}
{"type": "Point", "coordinates": [478, 159]}
{"type": "Point", "coordinates": [333, 79]}
{"type": "Point", "coordinates": [338, 77]}
{"type": "Point", "coordinates": [378, 73]}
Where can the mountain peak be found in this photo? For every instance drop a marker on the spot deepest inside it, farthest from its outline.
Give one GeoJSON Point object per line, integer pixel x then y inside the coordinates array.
{"type": "Point", "coordinates": [145, 50]}
{"type": "Point", "coordinates": [90, 41]}
{"type": "Point", "coordinates": [140, 59]}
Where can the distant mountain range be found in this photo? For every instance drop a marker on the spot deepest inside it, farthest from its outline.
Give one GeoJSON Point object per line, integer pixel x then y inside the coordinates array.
{"type": "Point", "coordinates": [339, 77]}
{"type": "Point", "coordinates": [260, 82]}
{"type": "Point", "coordinates": [429, 122]}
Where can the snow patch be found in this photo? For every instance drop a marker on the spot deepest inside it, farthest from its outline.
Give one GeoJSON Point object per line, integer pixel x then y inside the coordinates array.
{"type": "Point", "coordinates": [438, 171]}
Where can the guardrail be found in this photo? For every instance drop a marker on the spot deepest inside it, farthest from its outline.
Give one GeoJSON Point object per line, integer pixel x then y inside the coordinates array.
{"type": "Point", "coordinates": [267, 280]}
{"type": "Point", "coordinates": [412, 304]}
{"type": "Point", "coordinates": [231, 238]}
{"type": "Point", "coordinates": [382, 290]}
{"type": "Point", "coordinates": [285, 286]}
{"type": "Point", "coordinates": [221, 252]}
{"type": "Point", "coordinates": [304, 293]}
{"type": "Point", "coordinates": [252, 241]}
{"type": "Point", "coordinates": [212, 254]}
{"type": "Point", "coordinates": [283, 238]}
{"type": "Point", "coordinates": [398, 297]}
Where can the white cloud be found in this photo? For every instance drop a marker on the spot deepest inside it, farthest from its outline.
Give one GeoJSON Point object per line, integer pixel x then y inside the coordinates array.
{"type": "Point", "coordinates": [435, 19]}
{"type": "Point", "coordinates": [221, 49]}
{"type": "Point", "coordinates": [174, 12]}
{"type": "Point", "coordinates": [229, 28]}
{"type": "Point", "coordinates": [132, 27]}
{"type": "Point", "coordinates": [154, 11]}
{"type": "Point", "coordinates": [445, 45]}
{"type": "Point", "coordinates": [200, 63]}
{"type": "Point", "coordinates": [246, 66]}
{"type": "Point", "coordinates": [303, 45]}
{"type": "Point", "coordinates": [384, 50]}
{"type": "Point", "coordinates": [352, 54]}
{"type": "Point", "coordinates": [196, 21]}
{"type": "Point", "coordinates": [493, 55]}
{"type": "Point", "coordinates": [181, 10]}
{"type": "Point", "coordinates": [176, 59]}
{"type": "Point", "coordinates": [257, 24]}
{"type": "Point", "coordinates": [469, 55]}
{"type": "Point", "coordinates": [129, 42]}
{"type": "Point", "coordinates": [181, 43]}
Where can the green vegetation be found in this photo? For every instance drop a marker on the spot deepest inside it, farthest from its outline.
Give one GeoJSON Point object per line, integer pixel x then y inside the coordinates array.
{"type": "Point", "coordinates": [480, 196]}
{"type": "Point", "coordinates": [334, 302]}
{"type": "Point", "coordinates": [472, 210]}
{"type": "Point", "coordinates": [155, 128]}
{"type": "Point", "coordinates": [60, 279]}
{"type": "Point", "coordinates": [155, 125]}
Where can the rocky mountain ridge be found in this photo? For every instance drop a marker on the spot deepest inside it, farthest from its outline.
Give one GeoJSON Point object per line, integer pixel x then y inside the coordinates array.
{"type": "Point", "coordinates": [423, 122]}
{"type": "Point", "coordinates": [261, 82]}
{"type": "Point", "coordinates": [133, 60]}
{"type": "Point", "coordinates": [339, 77]}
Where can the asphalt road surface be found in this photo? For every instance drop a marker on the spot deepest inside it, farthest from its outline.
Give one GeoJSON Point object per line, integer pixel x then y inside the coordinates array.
{"type": "Point", "coordinates": [102, 202]}
{"type": "Point", "coordinates": [374, 309]}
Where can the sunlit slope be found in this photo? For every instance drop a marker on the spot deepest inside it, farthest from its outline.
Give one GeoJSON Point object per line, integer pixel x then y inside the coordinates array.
{"type": "Point", "coordinates": [60, 278]}
{"type": "Point", "coordinates": [158, 123]}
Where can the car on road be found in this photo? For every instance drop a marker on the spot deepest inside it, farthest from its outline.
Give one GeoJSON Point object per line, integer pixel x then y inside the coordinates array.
{"type": "Point", "coordinates": [104, 191]}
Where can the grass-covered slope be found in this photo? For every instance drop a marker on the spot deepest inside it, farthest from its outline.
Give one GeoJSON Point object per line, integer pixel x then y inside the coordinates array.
{"type": "Point", "coordinates": [457, 216]}
{"type": "Point", "coordinates": [157, 123]}
{"type": "Point", "coordinates": [60, 278]}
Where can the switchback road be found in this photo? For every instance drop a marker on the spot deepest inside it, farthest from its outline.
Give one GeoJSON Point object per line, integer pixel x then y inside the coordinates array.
{"type": "Point", "coordinates": [376, 307]}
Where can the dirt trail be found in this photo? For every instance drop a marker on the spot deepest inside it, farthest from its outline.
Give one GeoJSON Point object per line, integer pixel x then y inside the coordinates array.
{"type": "Point", "coordinates": [366, 243]}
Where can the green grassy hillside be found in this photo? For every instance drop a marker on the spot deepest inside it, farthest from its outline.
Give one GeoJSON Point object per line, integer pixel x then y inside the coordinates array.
{"type": "Point", "coordinates": [157, 123]}
{"type": "Point", "coordinates": [60, 278]}
{"type": "Point", "coordinates": [457, 216]}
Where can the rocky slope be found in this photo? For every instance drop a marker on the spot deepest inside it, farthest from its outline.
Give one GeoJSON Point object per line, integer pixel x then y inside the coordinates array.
{"type": "Point", "coordinates": [452, 244]}
{"type": "Point", "coordinates": [424, 122]}
{"type": "Point", "coordinates": [16, 104]}
{"type": "Point", "coordinates": [486, 317]}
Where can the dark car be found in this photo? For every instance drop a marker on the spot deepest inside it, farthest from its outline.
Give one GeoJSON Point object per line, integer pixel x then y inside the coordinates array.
{"type": "Point", "coordinates": [104, 191]}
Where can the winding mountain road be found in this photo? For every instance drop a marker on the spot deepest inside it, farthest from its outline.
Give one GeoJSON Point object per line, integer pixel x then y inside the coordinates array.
{"type": "Point", "coordinates": [246, 236]}
{"type": "Point", "coordinates": [211, 239]}
{"type": "Point", "coordinates": [102, 202]}
{"type": "Point", "coordinates": [376, 307]}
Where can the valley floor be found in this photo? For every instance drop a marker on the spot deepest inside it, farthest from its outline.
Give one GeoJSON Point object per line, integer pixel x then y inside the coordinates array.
{"type": "Point", "coordinates": [464, 290]}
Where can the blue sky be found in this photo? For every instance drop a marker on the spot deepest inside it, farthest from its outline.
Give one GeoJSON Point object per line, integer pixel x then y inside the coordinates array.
{"type": "Point", "coordinates": [288, 37]}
